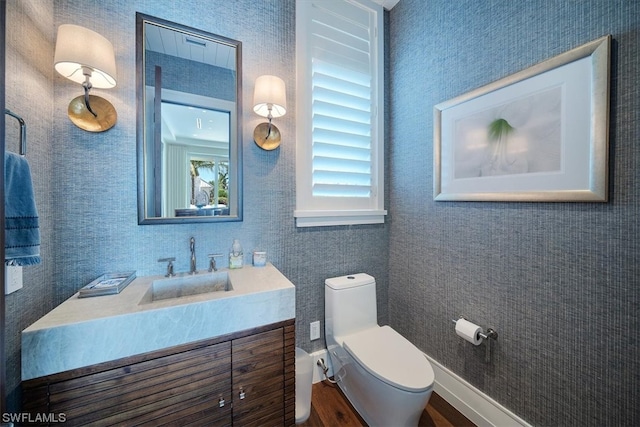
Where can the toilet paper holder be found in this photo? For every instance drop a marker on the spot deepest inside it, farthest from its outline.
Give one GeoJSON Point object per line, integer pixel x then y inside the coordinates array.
{"type": "Point", "coordinates": [490, 333]}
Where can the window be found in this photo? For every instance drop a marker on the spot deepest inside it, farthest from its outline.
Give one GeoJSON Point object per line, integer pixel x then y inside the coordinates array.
{"type": "Point", "coordinates": [208, 181]}
{"type": "Point", "coordinates": [339, 153]}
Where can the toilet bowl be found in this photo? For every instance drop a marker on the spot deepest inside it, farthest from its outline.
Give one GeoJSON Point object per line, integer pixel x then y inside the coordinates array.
{"type": "Point", "coordinates": [386, 378]}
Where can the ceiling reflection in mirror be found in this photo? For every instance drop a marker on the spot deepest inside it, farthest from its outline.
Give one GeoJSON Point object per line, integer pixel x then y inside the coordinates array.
{"type": "Point", "coordinates": [189, 148]}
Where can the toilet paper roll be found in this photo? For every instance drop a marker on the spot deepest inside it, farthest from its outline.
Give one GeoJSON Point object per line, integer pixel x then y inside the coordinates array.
{"type": "Point", "coordinates": [469, 331]}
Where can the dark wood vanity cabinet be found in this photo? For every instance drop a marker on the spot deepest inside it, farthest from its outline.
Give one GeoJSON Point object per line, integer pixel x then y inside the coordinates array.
{"type": "Point", "coordinates": [246, 378]}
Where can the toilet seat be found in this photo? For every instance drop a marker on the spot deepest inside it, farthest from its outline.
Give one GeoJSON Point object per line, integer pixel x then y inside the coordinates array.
{"type": "Point", "coordinates": [390, 357]}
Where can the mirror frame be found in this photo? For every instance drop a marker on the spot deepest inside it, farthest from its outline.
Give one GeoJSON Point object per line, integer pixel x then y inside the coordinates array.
{"type": "Point", "coordinates": [234, 149]}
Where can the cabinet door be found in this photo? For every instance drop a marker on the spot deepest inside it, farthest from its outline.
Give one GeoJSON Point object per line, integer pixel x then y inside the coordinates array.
{"type": "Point", "coordinates": [258, 379]}
{"type": "Point", "coordinates": [179, 387]}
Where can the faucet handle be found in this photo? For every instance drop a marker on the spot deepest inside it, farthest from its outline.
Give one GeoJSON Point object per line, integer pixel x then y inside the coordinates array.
{"type": "Point", "coordinates": [212, 262]}
{"type": "Point", "coordinates": [170, 260]}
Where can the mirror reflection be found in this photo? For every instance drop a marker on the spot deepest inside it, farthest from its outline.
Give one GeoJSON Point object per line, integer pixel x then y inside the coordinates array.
{"type": "Point", "coordinates": [189, 163]}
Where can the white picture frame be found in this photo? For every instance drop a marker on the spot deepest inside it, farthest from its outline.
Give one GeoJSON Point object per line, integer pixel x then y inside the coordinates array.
{"type": "Point", "coordinates": [538, 135]}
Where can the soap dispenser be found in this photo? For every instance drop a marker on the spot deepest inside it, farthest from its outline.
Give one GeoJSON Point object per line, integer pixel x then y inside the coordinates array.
{"type": "Point", "coordinates": [235, 256]}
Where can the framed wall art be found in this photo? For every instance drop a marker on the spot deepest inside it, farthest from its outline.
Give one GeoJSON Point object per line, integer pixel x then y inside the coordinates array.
{"type": "Point", "coordinates": [537, 135]}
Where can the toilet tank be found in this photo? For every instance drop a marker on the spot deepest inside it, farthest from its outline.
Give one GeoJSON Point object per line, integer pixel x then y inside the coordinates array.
{"type": "Point", "coordinates": [350, 305]}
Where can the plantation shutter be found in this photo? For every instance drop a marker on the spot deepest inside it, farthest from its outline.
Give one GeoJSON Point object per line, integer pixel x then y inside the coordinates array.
{"type": "Point", "coordinates": [339, 151]}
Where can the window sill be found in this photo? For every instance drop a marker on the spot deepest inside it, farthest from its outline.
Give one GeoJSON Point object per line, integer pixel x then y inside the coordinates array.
{"type": "Point", "coordinates": [331, 218]}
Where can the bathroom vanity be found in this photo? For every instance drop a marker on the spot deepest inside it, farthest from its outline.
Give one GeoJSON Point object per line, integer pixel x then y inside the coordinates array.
{"type": "Point", "coordinates": [218, 357]}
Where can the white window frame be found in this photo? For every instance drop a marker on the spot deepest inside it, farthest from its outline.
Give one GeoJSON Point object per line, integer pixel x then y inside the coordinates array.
{"type": "Point", "coordinates": [312, 210]}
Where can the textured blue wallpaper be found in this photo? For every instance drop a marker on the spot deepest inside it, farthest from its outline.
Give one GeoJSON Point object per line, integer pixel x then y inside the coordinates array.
{"type": "Point", "coordinates": [86, 182]}
{"type": "Point", "coordinates": [559, 282]}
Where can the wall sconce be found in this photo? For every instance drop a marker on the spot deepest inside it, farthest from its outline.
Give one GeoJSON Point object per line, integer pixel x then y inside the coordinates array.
{"type": "Point", "coordinates": [86, 57]}
{"type": "Point", "coordinates": [269, 100]}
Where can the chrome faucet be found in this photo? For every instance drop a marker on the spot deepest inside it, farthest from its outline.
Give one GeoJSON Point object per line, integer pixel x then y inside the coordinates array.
{"type": "Point", "coordinates": [192, 247]}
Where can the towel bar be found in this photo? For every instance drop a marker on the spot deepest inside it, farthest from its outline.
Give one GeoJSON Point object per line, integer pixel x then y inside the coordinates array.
{"type": "Point", "coordinates": [23, 131]}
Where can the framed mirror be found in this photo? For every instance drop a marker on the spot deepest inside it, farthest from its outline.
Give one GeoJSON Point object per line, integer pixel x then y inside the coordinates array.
{"type": "Point", "coordinates": [189, 118]}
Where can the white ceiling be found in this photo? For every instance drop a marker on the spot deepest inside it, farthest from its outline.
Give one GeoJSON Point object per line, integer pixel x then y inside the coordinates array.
{"type": "Point", "coordinates": [189, 46]}
{"type": "Point", "coordinates": [187, 123]}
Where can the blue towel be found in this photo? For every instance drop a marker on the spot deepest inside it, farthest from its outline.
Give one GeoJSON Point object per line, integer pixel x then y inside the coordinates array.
{"type": "Point", "coordinates": [22, 234]}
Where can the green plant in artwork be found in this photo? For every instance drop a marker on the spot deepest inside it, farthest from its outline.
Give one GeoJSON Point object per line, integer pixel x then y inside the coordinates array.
{"type": "Point", "coordinates": [499, 128]}
{"type": "Point", "coordinates": [503, 157]}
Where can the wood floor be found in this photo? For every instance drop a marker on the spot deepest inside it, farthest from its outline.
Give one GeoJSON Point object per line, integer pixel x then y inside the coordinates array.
{"type": "Point", "coordinates": [330, 408]}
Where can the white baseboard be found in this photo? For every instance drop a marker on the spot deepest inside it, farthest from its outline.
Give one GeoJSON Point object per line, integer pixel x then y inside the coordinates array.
{"type": "Point", "coordinates": [471, 402]}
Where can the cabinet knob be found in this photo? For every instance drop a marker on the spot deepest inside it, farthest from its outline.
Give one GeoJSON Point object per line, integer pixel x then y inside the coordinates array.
{"type": "Point", "coordinates": [221, 402]}
{"type": "Point", "coordinates": [242, 395]}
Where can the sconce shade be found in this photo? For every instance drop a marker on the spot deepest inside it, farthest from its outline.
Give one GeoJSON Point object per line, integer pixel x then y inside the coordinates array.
{"type": "Point", "coordinates": [270, 90]}
{"type": "Point", "coordinates": [78, 47]}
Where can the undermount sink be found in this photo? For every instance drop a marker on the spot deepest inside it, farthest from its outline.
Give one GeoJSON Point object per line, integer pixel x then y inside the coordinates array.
{"type": "Point", "coordinates": [187, 285]}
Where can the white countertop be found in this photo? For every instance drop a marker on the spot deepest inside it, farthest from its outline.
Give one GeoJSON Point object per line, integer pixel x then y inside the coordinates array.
{"type": "Point", "coordinates": [85, 331]}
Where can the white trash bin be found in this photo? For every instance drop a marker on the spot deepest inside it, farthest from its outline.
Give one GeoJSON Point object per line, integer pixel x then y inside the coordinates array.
{"type": "Point", "coordinates": [304, 380]}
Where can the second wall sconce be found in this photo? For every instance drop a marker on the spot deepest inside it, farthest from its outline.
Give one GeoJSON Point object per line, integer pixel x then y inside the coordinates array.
{"type": "Point", "coordinates": [269, 100]}
{"type": "Point", "coordinates": [88, 58]}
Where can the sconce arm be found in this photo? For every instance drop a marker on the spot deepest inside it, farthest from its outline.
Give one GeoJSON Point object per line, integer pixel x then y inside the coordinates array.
{"type": "Point", "coordinates": [87, 86]}
{"type": "Point", "coordinates": [270, 117]}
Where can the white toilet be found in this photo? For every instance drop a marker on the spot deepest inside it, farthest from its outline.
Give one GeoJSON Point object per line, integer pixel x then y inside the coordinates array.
{"type": "Point", "coordinates": [385, 377]}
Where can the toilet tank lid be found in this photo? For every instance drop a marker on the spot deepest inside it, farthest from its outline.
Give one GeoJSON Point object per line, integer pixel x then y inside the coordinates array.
{"type": "Point", "coordinates": [349, 281]}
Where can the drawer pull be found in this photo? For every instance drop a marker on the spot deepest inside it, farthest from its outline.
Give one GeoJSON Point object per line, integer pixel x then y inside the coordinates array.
{"type": "Point", "coordinates": [242, 395]}
{"type": "Point", "coordinates": [221, 402]}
